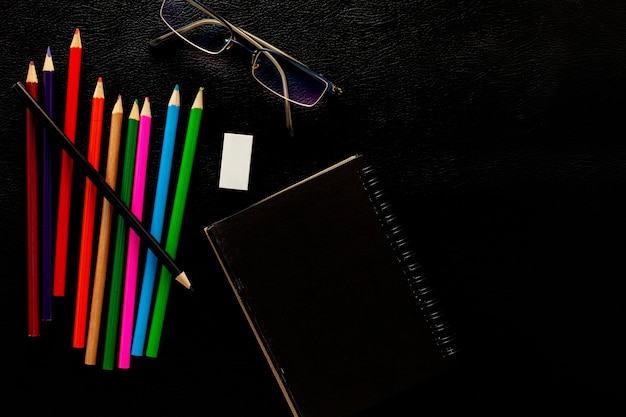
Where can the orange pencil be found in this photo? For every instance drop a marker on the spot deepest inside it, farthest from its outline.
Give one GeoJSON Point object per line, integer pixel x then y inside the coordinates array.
{"type": "Point", "coordinates": [32, 85]}
{"type": "Point", "coordinates": [89, 211]}
{"type": "Point", "coordinates": [67, 165]}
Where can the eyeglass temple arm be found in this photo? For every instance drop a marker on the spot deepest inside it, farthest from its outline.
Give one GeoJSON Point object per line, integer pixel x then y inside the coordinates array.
{"type": "Point", "coordinates": [160, 39]}
{"type": "Point", "coordinates": [260, 43]}
{"type": "Point", "coordinates": [283, 78]}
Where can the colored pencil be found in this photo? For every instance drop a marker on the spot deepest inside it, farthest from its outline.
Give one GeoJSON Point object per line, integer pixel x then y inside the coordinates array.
{"type": "Point", "coordinates": [176, 219]}
{"type": "Point", "coordinates": [119, 254]}
{"type": "Point", "coordinates": [88, 224]}
{"type": "Point", "coordinates": [47, 230]}
{"type": "Point", "coordinates": [132, 255]}
{"type": "Point", "coordinates": [158, 218]}
{"type": "Point", "coordinates": [179, 275]}
{"type": "Point", "coordinates": [32, 215]}
{"type": "Point", "coordinates": [95, 314]}
{"type": "Point", "coordinates": [67, 165]}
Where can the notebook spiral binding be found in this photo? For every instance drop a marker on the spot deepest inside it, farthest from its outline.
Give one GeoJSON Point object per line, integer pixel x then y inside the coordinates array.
{"type": "Point", "coordinates": [445, 337]}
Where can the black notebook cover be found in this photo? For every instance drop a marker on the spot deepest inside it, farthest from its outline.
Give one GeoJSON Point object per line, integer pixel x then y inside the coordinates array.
{"type": "Point", "coordinates": [328, 284]}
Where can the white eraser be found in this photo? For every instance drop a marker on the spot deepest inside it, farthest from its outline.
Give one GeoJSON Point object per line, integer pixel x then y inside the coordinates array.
{"type": "Point", "coordinates": [236, 158]}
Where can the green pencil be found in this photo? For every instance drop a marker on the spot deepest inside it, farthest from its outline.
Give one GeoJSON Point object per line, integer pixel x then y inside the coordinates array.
{"type": "Point", "coordinates": [176, 220]}
{"type": "Point", "coordinates": [118, 269]}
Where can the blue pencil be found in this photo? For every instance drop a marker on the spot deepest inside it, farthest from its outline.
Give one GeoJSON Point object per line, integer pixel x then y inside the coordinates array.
{"type": "Point", "coordinates": [47, 249]}
{"type": "Point", "coordinates": [158, 216]}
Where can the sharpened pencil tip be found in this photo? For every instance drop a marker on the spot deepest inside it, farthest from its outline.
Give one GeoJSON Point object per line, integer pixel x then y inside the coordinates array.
{"type": "Point", "coordinates": [134, 111]}
{"type": "Point", "coordinates": [118, 108]}
{"type": "Point", "coordinates": [76, 41]}
{"type": "Point", "coordinates": [31, 75]}
{"type": "Point", "coordinates": [48, 65]}
{"type": "Point", "coordinates": [182, 278]}
{"type": "Point", "coordinates": [99, 91]}
{"type": "Point", "coordinates": [146, 111]}
{"type": "Point", "coordinates": [197, 103]}
{"type": "Point", "coordinates": [175, 97]}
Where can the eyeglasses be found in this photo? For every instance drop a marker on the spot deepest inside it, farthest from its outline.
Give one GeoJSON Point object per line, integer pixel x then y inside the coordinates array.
{"type": "Point", "coordinates": [275, 70]}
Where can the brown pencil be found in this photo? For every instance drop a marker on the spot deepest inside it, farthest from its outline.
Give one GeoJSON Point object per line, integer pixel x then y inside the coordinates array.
{"type": "Point", "coordinates": [102, 256]}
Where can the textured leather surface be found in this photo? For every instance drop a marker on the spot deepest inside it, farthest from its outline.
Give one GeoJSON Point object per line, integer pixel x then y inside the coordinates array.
{"type": "Point", "coordinates": [496, 126]}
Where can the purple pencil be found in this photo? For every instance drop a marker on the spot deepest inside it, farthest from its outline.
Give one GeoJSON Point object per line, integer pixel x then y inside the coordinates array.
{"type": "Point", "coordinates": [47, 249]}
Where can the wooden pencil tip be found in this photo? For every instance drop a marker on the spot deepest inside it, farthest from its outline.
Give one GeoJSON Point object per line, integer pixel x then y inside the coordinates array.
{"type": "Point", "coordinates": [99, 92]}
{"type": "Point", "coordinates": [48, 65]}
{"type": "Point", "coordinates": [198, 102]}
{"type": "Point", "coordinates": [117, 108]}
{"type": "Point", "coordinates": [145, 109]}
{"type": "Point", "coordinates": [175, 97]}
{"type": "Point", "coordinates": [134, 111]}
{"type": "Point", "coordinates": [31, 76]}
{"type": "Point", "coordinates": [76, 41]}
{"type": "Point", "coordinates": [182, 278]}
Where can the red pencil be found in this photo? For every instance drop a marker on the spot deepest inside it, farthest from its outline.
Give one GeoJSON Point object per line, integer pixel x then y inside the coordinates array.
{"type": "Point", "coordinates": [89, 210]}
{"type": "Point", "coordinates": [32, 85]}
{"type": "Point", "coordinates": [67, 165]}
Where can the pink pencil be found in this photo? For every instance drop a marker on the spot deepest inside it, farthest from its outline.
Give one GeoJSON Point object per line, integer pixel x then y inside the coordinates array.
{"type": "Point", "coordinates": [132, 259]}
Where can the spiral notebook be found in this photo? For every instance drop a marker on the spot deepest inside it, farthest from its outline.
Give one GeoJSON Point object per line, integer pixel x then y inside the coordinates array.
{"type": "Point", "coordinates": [333, 293]}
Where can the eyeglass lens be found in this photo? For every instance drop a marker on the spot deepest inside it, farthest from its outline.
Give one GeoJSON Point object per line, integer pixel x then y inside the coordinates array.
{"type": "Point", "coordinates": [272, 69]}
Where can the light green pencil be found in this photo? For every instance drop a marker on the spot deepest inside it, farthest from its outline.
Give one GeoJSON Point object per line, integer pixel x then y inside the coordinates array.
{"type": "Point", "coordinates": [173, 233]}
{"type": "Point", "coordinates": [117, 270]}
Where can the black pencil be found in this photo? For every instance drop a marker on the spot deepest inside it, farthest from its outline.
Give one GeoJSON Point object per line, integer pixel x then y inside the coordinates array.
{"type": "Point", "coordinates": [102, 185]}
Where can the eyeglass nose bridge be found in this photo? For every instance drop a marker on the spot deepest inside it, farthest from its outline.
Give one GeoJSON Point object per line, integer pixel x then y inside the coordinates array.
{"type": "Point", "coordinates": [234, 41]}
{"type": "Point", "coordinates": [253, 52]}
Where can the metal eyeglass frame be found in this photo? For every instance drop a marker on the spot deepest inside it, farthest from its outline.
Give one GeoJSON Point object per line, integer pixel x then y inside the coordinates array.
{"type": "Point", "coordinates": [260, 47]}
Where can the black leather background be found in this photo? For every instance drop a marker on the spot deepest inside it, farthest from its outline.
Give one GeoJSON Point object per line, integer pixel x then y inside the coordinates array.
{"type": "Point", "coordinates": [497, 127]}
